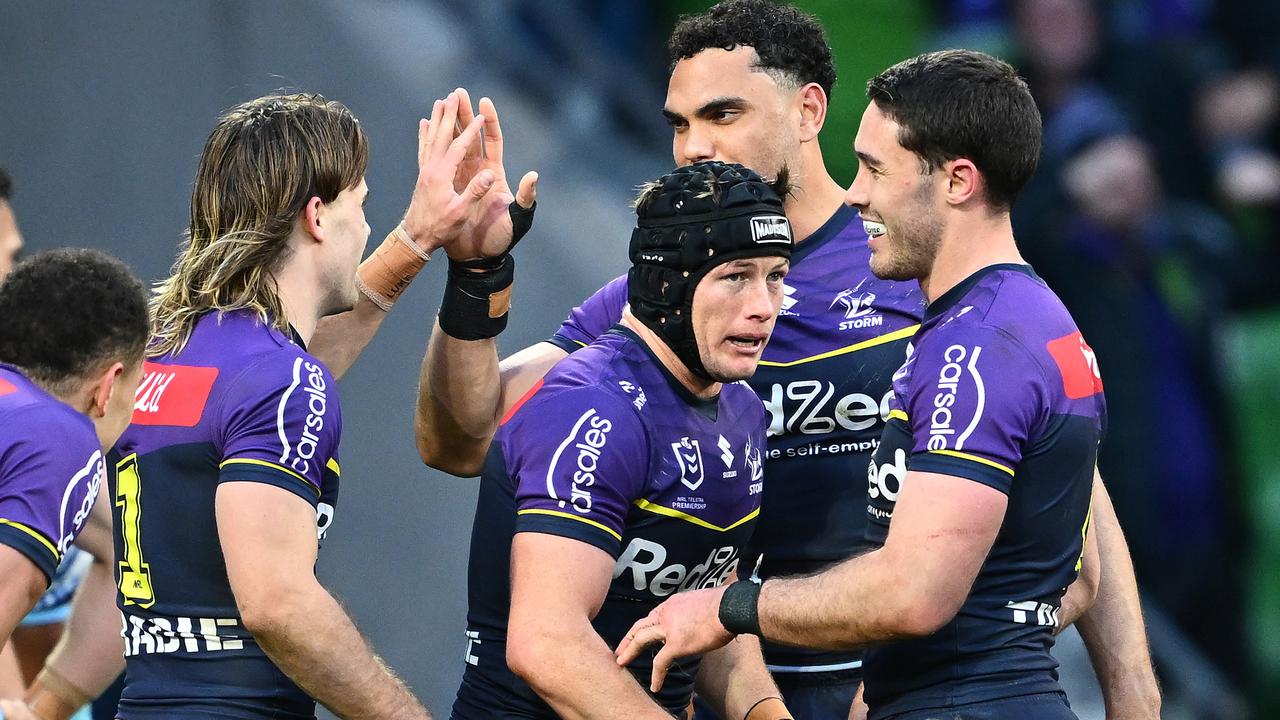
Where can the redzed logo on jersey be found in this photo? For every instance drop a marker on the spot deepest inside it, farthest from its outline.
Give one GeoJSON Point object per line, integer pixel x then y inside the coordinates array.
{"type": "Point", "coordinates": [6, 388]}
{"type": "Point", "coordinates": [1078, 365]}
{"type": "Point", "coordinates": [172, 394]}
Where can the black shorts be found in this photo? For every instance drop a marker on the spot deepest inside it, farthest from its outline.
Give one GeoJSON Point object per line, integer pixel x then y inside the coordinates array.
{"type": "Point", "coordinates": [810, 696]}
{"type": "Point", "coordinates": [1043, 706]}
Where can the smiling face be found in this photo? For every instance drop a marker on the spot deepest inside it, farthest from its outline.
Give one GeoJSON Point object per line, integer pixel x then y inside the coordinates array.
{"type": "Point", "coordinates": [734, 309]}
{"type": "Point", "coordinates": [721, 107]}
{"type": "Point", "coordinates": [348, 233]}
{"type": "Point", "coordinates": [898, 200]}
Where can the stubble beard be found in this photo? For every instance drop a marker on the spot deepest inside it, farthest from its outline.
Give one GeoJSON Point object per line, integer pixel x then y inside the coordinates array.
{"type": "Point", "coordinates": [913, 246]}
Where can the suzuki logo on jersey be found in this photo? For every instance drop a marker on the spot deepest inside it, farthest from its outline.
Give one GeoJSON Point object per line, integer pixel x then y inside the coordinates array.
{"type": "Point", "coordinates": [886, 480]}
{"type": "Point", "coordinates": [317, 404]}
{"type": "Point", "coordinates": [586, 441]}
{"type": "Point", "coordinates": [647, 562]}
{"type": "Point", "coordinates": [859, 310]}
{"type": "Point", "coordinates": [172, 394]}
{"type": "Point", "coordinates": [94, 471]}
{"type": "Point", "coordinates": [726, 452]}
{"type": "Point", "coordinates": [689, 459]}
{"type": "Point", "coordinates": [770, 229]}
{"type": "Point", "coordinates": [810, 410]}
{"type": "Point", "coordinates": [1077, 364]}
{"type": "Point", "coordinates": [941, 420]}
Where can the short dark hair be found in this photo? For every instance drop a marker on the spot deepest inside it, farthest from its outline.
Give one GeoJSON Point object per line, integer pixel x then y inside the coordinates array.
{"type": "Point", "coordinates": [787, 40]}
{"type": "Point", "coordinates": [6, 185]}
{"type": "Point", "coordinates": [66, 313]}
{"type": "Point", "coordinates": [963, 103]}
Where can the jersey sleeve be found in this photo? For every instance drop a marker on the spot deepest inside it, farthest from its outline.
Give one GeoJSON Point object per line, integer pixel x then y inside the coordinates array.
{"type": "Point", "coordinates": [593, 317]}
{"type": "Point", "coordinates": [281, 424]}
{"type": "Point", "coordinates": [978, 396]}
{"type": "Point", "coordinates": [52, 473]}
{"type": "Point", "coordinates": [578, 461]}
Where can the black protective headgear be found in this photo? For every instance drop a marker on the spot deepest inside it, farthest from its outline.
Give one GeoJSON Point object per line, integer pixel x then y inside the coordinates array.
{"type": "Point", "coordinates": [691, 220]}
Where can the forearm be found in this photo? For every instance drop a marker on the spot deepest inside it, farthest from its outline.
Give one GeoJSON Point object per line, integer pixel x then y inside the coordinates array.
{"type": "Point", "coordinates": [1113, 629]}
{"type": "Point", "coordinates": [733, 679]}
{"type": "Point", "coordinates": [339, 339]}
{"type": "Point", "coordinates": [90, 654]}
{"type": "Point", "coordinates": [856, 603]}
{"type": "Point", "coordinates": [335, 666]}
{"type": "Point", "coordinates": [574, 672]}
{"type": "Point", "coordinates": [459, 392]}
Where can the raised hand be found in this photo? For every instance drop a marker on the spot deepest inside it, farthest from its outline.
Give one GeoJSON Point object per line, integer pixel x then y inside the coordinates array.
{"type": "Point", "coordinates": [490, 230]}
{"type": "Point", "coordinates": [439, 211]}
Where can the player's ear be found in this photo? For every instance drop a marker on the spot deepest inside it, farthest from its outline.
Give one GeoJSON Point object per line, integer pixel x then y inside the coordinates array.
{"type": "Point", "coordinates": [311, 219]}
{"type": "Point", "coordinates": [963, 181]}
{"type": "Point", "coordinates": [812, 102]}
{"type": "Point", "coordinates": [105, 385]}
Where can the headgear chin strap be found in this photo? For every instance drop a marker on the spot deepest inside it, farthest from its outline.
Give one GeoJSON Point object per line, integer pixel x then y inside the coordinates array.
{"type": "Point", "coordinates": [691, 220]}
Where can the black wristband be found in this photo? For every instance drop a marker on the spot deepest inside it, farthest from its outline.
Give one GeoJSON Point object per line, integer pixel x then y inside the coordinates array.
{"type": "Point", "coordinates": [739, 608]}
{"type": "Point", "coordinates": [476, 304]}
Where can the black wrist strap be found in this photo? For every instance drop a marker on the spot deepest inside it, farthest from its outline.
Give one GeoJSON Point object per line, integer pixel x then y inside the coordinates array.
{"type": "Point", "coordinates": [739, 608]}
{"type": "Point", "coordinates": [477, 297]}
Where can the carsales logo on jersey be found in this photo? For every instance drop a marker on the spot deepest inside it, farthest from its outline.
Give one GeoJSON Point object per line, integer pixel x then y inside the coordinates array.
{"type": "Point", "coordinates": [317, 404]}
{"type": "Point", "coordinates": [941, 425]}
{"type": "Point", "coordinates": [586, 441]}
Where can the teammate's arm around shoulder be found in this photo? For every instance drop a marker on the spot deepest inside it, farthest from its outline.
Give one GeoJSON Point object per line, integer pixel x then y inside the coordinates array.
{"type": "Point", "coordinates": [557, 585]}
{"type": "Point", "coordinates": [268, 537]}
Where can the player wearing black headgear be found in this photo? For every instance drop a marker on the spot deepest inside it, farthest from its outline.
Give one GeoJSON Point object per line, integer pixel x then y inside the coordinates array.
{"type": "Point", "coordinates": [627, 476]}
{"type": "Point", "coordinates": [690, 221]}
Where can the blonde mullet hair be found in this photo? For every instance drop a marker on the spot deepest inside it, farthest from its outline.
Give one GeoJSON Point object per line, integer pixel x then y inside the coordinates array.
{"type": "Point", "coordinates": [262, 163]}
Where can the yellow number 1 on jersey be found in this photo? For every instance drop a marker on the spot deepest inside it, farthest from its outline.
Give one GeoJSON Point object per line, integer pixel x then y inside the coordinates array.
{"type": "Point", "coordinates": [135, 574]}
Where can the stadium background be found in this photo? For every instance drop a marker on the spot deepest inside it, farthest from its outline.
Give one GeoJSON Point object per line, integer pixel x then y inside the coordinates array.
{"type": "Point", "coordinates": [1154, 213]}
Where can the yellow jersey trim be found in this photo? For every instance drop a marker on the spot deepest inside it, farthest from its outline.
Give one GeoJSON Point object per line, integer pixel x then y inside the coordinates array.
{"type": "Point", "coordinates": [887, 338]}
{"type": "Point", "coordinates": [333, 465]}
{"type": "Point", "coordinates": [35, 534]}
{"type": "Point", "coordinates": [554, 513]}
{"type": "Point", "coordinates": [264, 463]}
{"type": "Point", "coordinates": [661, 510]}
{"type": "Point", "coordinates": [974, 458]}
{"type": "Point", "coordinates": [899, 414]}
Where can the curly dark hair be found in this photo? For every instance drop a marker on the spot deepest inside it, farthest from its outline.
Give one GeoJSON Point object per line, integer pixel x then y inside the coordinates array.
{"type": "Point", "coordinates": [787, 40]}
{"type": "Point", "coordinates": [66, 313]}
{"type": "Point", "coordinates": [963, 103]}
{"type": "Point", "coordinates": [6, 185]}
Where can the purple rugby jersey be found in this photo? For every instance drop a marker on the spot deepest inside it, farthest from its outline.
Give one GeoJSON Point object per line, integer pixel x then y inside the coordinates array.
{"type": "Point", "coordinates": [241, 402]}
{"type": "Point", "coordinates": [998, 388]}
{"type": "Point", "coordinates": [612, 451]}
{"type": "Point", "coordinates": [825, 380]}
{"type": "Point", "coordinates": [51, 470]}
